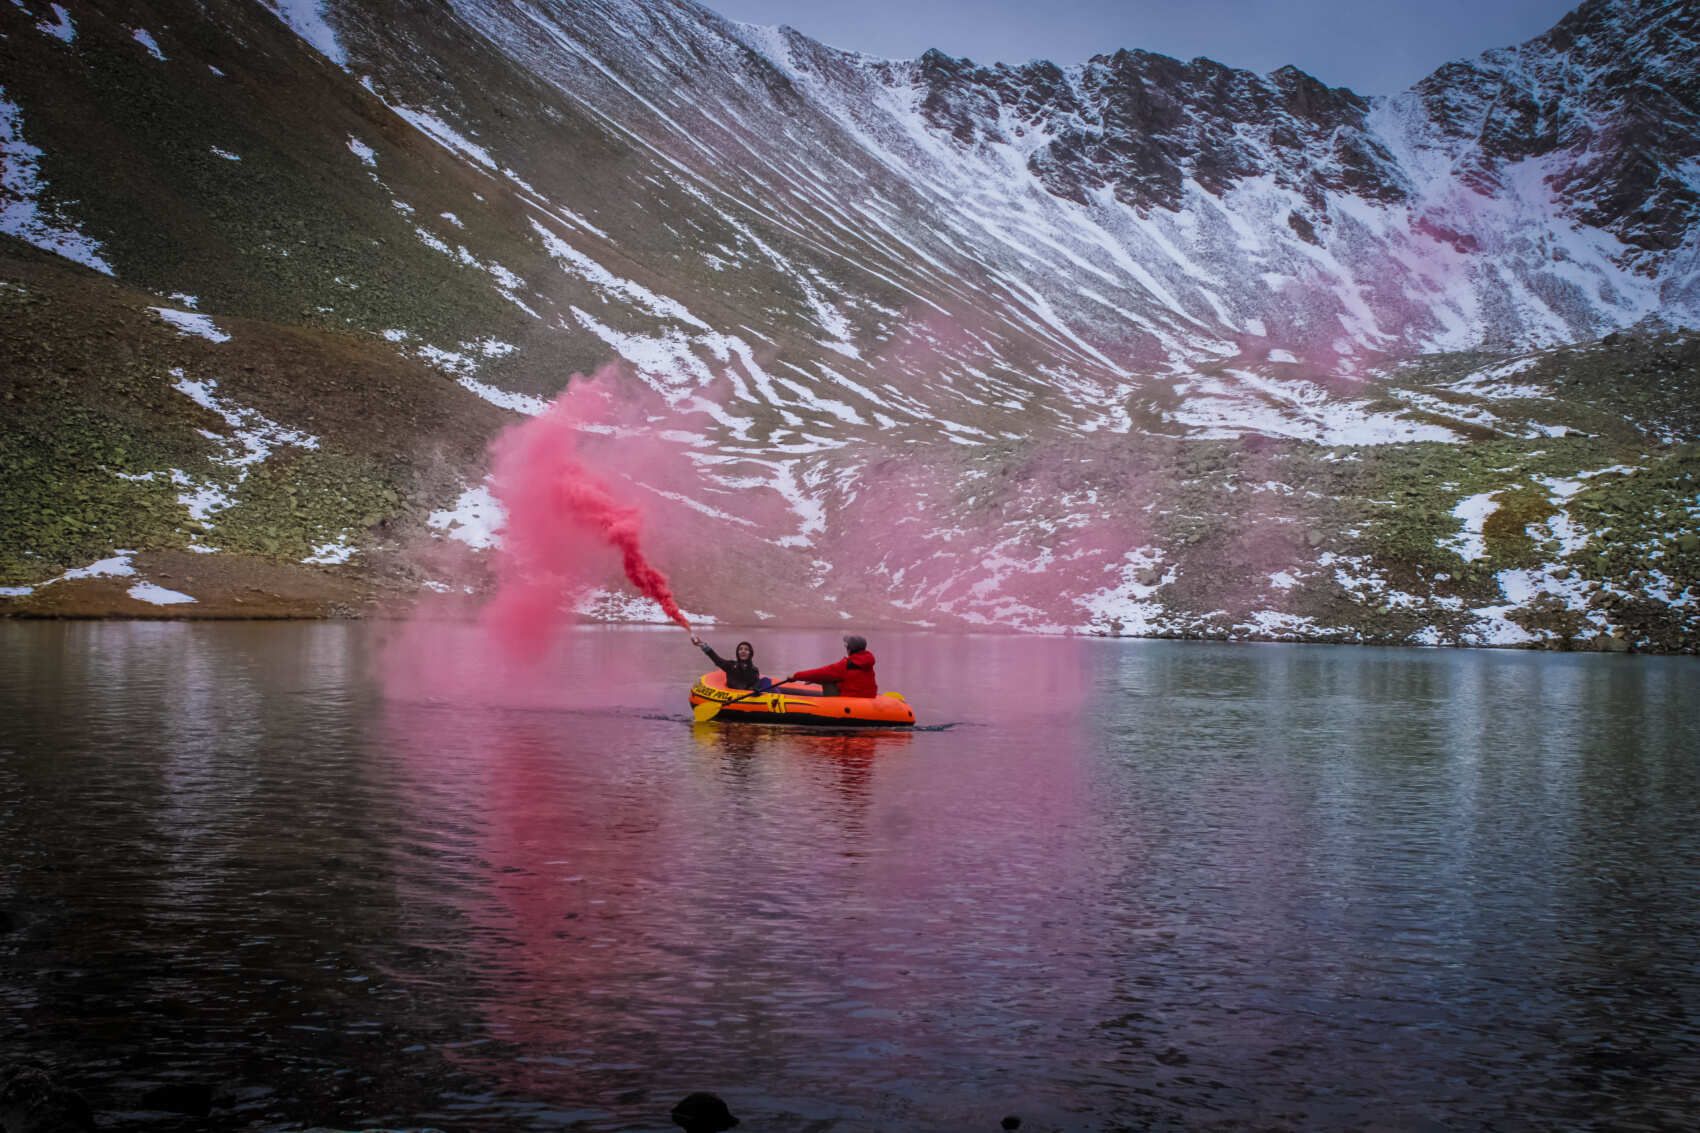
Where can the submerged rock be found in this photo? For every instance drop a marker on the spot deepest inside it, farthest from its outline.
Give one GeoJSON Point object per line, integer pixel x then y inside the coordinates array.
{"type": "Point", "coordinates": [32, 1101]}
{"type": "Point", "coordinates": [703, 1113]}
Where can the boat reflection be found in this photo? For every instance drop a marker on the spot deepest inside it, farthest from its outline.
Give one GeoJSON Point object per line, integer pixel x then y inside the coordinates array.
{"type": "Point", "coordinates": [587, 904]}
{"type": "Point", "coordinates": [740, 740]}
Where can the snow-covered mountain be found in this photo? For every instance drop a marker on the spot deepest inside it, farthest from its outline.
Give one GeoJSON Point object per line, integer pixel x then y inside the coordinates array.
{"type": "Point", "coordinates": [1133, 344]}
{"type": "Point", "coordinates": [1138, 212]}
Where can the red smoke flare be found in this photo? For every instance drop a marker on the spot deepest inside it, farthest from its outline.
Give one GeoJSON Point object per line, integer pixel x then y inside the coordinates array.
{"type": "Point", "coordinates": [586, 500]}
{"type": "Point", "coordinates": [561, 518]}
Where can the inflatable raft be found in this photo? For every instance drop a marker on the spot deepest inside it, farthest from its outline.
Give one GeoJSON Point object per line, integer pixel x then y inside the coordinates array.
{"type": "Point", "coordinates": [802, 704]}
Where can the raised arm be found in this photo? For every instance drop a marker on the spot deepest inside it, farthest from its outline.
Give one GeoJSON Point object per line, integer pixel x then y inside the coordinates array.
{"type": "Point", "coordinates": [724, 665]}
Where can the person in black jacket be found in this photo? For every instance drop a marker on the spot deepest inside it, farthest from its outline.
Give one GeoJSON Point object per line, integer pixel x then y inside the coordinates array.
{"type": "Point", "coordinates": [741, 674]}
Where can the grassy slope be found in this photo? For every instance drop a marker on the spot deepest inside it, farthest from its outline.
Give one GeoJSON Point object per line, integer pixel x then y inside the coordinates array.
{"type": "Point", "coordinates": [88, 393]}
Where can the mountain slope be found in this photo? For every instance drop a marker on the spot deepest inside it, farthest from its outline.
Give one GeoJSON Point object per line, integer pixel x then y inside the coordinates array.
{"type": "Point", "coordinates": [1132, 344]}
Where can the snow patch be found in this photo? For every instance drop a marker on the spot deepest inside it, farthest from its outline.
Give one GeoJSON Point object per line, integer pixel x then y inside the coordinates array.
{"type": "Point", "coordinates": [156, 595]}
{"type": "Point", "coordinates": [145, 38]}
{"type": "Point", "coordinates": [1494, 628]}
{"type": "Point", "coordinates": [1473, 511]}
{"type": "Point", "coordinates": [618, 606]}
{"type": "Point", "coordinates": [462, 364]}
{"type": "Point", "coordinates": [464, 361]}
{"type": "Point", "coordinates": [1130, 607]}
{"type": "Point", "coordinates": [506, 399]}
{"type": "Point", "coordinates": [507, 283]}
{"type": "Point", "coordinates": [444, 134]}
{"type": "Point", "coordinates": [252, 439]}
{"type": "Point", "coordinates": [256, 434]}
{"type": "Point", "coordinates": [594, 273]}
{"type": "Point", "coordinates": [476, 519]}
{"type": "Point", "coordinates": [1278, 624]}
{"type": "Point", "coordinates": [1237, 401]}
{"type": "Point", "coordinates": [1358, 578]}
{"type": "Point", "coordinates": [331, 554]}
{"type": "Point", "coordinates": [118, 566]}
{"type": "Point", "coordinates": [22, 212]}
{"type": "Point", "coordinates": [192, 323]}
{"type": "Point", "coordinates": [1493, 381]}
{"type": "Point", "coordinates": [61, 28]}
{"type": "Point", "coordinates": [306, 18]}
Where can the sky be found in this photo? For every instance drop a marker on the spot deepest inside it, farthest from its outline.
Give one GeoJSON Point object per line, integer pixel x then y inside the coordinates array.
{"type": "Point", "coordinates": [1371, 46]}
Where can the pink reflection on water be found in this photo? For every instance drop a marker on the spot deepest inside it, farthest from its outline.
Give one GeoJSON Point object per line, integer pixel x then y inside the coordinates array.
{"type": "Point", "coordinates": [640, 903]}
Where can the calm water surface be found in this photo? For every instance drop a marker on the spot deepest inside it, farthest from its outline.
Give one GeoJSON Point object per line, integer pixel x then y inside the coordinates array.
{"type": "Point", "coordinates": [1138, 885]}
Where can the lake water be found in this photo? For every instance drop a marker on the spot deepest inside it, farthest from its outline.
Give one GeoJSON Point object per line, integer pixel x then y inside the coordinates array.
{"type": "Point", "coordinates": [1136, 885]}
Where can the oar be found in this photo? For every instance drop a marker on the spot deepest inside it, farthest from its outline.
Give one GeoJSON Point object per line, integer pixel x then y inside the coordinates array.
{"type": "Point", "coordinates": [709, 709]}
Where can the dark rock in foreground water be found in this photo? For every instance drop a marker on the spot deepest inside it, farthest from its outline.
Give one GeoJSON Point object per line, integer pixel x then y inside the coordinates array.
{"type": "Point", "coordinates": [31, 1101]}
{"type": "Point", "coordinates": [703, 1113]}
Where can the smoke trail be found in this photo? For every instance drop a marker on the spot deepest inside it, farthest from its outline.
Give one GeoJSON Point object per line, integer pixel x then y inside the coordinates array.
{"type": "Point", "coordinates": [585, 499]}
{"type": "Point", "coordinates": [561, 517]}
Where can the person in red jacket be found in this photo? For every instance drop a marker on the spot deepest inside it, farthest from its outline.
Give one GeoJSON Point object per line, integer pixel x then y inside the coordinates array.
{"type": "Point", "coordinates": [851, 676]}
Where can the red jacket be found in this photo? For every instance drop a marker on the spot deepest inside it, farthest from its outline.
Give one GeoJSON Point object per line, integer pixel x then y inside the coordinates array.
{"type": "Point", "coordinates": [854, 674]}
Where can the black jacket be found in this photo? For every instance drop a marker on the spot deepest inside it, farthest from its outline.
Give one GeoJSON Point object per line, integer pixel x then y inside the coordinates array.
{"type": "Point", "coordinates": [740, 675]}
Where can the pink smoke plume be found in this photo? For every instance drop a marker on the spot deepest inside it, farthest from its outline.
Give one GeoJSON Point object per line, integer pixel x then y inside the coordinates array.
{"type": "Point", "coordinates": [561, 515]}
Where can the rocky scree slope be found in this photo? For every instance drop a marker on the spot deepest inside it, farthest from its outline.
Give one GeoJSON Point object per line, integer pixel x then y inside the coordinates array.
{"type": "Point", "coordinates": [1136, 346]}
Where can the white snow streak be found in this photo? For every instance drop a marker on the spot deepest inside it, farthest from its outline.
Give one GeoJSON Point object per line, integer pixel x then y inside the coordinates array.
{"type": "Point", "coordinates": [22, 212]}
{"type": "Point", "coordinates": [306, 18]}
{"type": "Point", "coordinates": [145, 38]}
{"type": "Point", "coordinates": [192, 323]}
{"type": "Point", "coordinates": [61, 28]}
{"type": "Point", "coordinates": [156, 595]}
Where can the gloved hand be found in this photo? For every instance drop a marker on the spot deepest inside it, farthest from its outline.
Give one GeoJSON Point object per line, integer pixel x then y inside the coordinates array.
{"type": "Point", "coordinates": [696, 641]}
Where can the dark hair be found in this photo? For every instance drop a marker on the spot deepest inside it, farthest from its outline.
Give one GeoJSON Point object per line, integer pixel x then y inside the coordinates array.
{"type": "Point", "coordinates": [741, 645]}
{"type": "Point", "coordinates": [854, 643]}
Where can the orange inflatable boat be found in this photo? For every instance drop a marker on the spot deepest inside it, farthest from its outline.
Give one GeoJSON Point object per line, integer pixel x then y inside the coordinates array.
{"type": "Point", "coordinates": [802, 704]}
